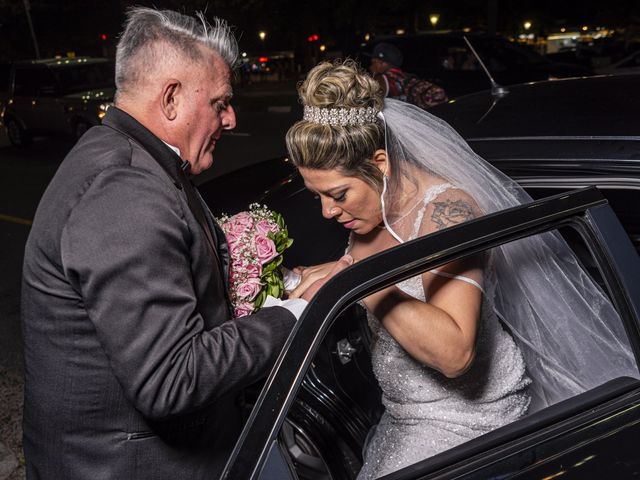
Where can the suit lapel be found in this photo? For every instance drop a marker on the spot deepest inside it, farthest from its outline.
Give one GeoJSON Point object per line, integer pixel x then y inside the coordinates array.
{"type": "Point", "coordinates": [171, 164]}
{"type": "Point", "coordinates": [221, 240]}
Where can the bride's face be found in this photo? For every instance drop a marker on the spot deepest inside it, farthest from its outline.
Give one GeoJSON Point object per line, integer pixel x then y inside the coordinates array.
{"type": "Point", "coordinates": [349, 200]}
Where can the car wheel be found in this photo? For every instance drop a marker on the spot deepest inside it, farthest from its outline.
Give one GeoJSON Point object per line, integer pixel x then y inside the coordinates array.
{"type": "Point", "coordinates": [18, 136]}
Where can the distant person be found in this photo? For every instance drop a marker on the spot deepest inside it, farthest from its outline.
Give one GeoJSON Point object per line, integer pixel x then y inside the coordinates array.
{"type": "Point", "coordinates": [386, 61]}
{"type": "Point", "coordinates": [133, 361]}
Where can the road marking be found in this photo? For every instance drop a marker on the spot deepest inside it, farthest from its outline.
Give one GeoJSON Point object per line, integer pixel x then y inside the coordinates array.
{"type": "Point", "coordinates": [18, 220]}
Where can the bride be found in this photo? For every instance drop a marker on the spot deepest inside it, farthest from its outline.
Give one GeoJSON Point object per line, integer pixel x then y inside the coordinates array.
{"type": "Point", "coordinates": [390, 172]}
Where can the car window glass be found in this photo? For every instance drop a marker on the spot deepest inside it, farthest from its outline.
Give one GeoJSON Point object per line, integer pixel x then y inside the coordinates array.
{"type": "Point", "coordinates": [77, 78]}
{"type": "Point", "coordinates": [634, 61]}
{"type": "Point", "coordinates": [26, 81]}
{"type": "Point", "coordinates": [504, 54]}
{"type": "Point", "coordinates": [459, 58]}
{"type": "Point", "coordinates": [37, 81]}
{"type": "Point", "coordinates": [333, 426]}
{"type": "Point", "coordinates": [623, 201]}
{"type": "Point", "coordinates": [276, 465]}
{"type": "Point", "coordinates": [47, 85]}
{"type": "Point", "coordinates": [422, 55]}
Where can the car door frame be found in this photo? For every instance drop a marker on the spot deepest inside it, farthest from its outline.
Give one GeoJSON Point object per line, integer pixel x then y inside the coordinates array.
{"type": "Point", "coordinates": [586, 210]}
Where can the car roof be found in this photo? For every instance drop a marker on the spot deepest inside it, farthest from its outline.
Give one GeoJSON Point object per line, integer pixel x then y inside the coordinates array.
{"type": "Point", "coordinates": [63, 61]}
{"type": "Point", "coordinates": [601, 106]}
{"type": "Point", "coordinates": [437, 34]}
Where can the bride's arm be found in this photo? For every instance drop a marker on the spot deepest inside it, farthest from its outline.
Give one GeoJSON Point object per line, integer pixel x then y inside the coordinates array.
{"type": "Point", "coordinates": [308, 276]}
{"type": "Point", "coordinates": [442, 332]}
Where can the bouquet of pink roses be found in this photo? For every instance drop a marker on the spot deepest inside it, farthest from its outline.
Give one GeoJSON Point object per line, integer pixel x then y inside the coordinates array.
{"type": "Point", "coordinates": [256, 238]}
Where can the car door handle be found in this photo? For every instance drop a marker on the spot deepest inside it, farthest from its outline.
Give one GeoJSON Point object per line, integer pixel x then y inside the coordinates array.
{"type": "Point", "coordinates": [345, 351]}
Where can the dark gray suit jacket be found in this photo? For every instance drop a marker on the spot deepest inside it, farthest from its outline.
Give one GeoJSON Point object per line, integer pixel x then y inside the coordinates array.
{"type": "Point", "coordinates": [132, 363]}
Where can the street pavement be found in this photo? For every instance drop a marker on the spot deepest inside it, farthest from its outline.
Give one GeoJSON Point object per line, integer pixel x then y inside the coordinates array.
{"type": "Point", "coordinates": [264, 113]}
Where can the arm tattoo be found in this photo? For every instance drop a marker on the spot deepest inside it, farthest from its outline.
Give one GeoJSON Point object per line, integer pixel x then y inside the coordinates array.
{"type": "Point", "coordinates": [449, 213]}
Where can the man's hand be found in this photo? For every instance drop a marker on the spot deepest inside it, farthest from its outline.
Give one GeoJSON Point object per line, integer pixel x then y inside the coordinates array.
{"type": "Point", "coordinates": [313, 278]}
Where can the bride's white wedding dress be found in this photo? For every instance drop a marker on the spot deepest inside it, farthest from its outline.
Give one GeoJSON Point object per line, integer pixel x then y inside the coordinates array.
{"type": "Point", "coordinates": [426, 412]}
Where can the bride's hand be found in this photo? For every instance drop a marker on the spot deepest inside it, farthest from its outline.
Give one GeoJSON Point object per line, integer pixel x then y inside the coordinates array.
{"type": "Point", "coordinates": [309, 276]}
{"type": "Point", "coordinates": [336, 267]}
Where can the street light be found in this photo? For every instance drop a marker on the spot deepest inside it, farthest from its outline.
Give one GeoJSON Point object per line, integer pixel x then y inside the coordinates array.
{"type": "Point", "coordinates": [27, 8]}
{"type": "Point", "coordinates": [527, 25]}
{"type": "Point", "coordinates": [433, 18]}
{"type": "Point", "coordinates": [262, 34]}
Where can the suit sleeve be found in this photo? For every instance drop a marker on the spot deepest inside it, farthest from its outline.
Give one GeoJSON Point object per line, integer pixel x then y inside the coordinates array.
{"type": "Point", "coordinates": [125, 249]}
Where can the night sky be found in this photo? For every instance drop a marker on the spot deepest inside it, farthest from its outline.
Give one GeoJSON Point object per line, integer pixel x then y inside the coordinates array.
{"type": "Point", "coordinates": [78, 25]}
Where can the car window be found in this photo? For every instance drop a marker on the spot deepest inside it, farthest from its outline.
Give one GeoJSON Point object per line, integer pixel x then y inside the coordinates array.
{"type": "Point", "coordinates": [421, 55]}
{"type": "Point", "coordinates": [632, 62]}
{"type": "Point", "coordinates": [505, 54]}
{"type": "Point", "coordinates": [459, 58]}
{"type": "Point", "coordinates": [33, 81]}
{"type": "Point", "coordinates": [623, 201]}
{"type": "Point", "coordinates": [329, 426]}
{"type": "Point", "coordinates": [80, 77]}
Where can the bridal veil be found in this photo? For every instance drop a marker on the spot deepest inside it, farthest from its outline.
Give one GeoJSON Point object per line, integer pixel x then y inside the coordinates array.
{"type": "Point", "coordinates": [571, 337]}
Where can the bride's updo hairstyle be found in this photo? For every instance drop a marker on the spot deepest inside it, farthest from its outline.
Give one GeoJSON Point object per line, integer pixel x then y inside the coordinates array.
{"type": "Point", "coordinates": [347, 148]}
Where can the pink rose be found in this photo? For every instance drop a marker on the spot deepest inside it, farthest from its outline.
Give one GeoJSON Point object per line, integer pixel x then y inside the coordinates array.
{"type": "Point", "coordinates": [243, 309]}
{"type": "Point", "coordinates": [264, 227]}
{"type": "Point", "coordinates": [235, 249]}
{"type": "Point", "coordinates": [253, 270]}
{"type": "Point", "coordinates": [265, 249]}
{"type": "Point", "coordinates": [239, 223]}
{"type": "Point", "coordinates": [245, 265]}
{"type": "Point", "coordinates": [232, 237]}
{"type": "Point", "coordinates": [249, 288]}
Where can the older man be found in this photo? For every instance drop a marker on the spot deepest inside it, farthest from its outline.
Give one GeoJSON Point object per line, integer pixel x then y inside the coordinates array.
{"type": "Point", "coordinates": [132, 359]}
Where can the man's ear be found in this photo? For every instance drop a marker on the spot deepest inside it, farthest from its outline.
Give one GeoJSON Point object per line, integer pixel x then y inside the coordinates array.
{"type": "Point", "coordinates": [380, 161]}
{"type": "Point", "coordinates": [170, 98]}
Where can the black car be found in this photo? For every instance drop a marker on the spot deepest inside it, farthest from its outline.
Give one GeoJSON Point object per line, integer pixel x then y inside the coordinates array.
{"type": "Point", "coordinates": [311, 418]}
{"type": "Point", "coordinates": [57, 96]}
{"type": "Point", "coordinates": [444, 58]}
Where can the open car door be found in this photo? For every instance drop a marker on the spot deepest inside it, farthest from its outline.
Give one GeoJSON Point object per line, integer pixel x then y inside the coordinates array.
{"type": "Point", "coordinates": [587, 436]}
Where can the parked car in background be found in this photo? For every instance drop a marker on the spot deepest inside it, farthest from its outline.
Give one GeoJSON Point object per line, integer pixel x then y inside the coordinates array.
{"type": "Point", "coordinates": [60, 96]}
{"type": "Point", "coordinates": [629, 64]}
{"type": "Point", "coordinates": [445, 59]}
{"type": "Point", "coordinates": [312, 417]}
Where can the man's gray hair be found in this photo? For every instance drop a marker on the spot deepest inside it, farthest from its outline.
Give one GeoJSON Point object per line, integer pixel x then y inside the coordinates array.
{"type": "Point", "coordinates": [147, 28]}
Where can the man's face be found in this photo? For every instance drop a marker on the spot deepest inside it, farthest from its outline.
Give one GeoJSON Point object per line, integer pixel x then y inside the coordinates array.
{"type": "Point", "coordinates": [378, 66]}
{"type": "Point", "coordinates": [205, 112]}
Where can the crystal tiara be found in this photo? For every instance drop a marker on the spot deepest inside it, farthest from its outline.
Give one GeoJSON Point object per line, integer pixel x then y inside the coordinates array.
{"type": "Point", "coordinates": [340, 116]}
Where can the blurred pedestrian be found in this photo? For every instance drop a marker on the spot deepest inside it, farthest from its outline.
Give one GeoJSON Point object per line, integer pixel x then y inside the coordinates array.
{"type": "Point", "coordinates": [386, 60]}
